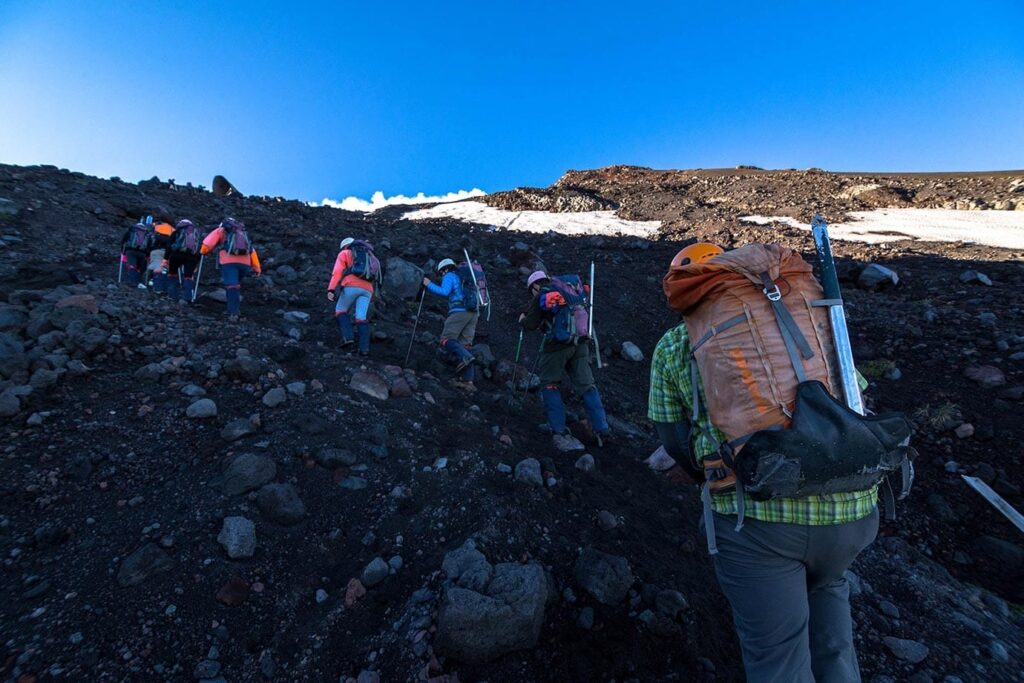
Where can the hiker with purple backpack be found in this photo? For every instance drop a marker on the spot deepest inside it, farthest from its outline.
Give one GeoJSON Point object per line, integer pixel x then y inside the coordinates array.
{"type": "Point", "coordinates": [558, 307]}
{"type": "Point", "coordinates": [358, 271]}
{"type": "Point", "coordinates": [136, 244]}
{"type": "Point", "coordinates": [182, 258]}
{"type": "Point", "coordinates": [237, 259]}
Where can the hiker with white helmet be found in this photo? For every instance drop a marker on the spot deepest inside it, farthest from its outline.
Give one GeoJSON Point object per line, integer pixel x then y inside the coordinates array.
{"type": "Point", "coordinates": [460, 325]}
{"type": "Point", "coordinates": [357, 270]}
{"type": "Point", "coordinates": [558, 307]}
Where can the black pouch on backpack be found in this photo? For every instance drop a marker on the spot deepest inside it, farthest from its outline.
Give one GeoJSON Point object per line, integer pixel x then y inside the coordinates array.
{"type": "Point", "coordinates": [828, 448]}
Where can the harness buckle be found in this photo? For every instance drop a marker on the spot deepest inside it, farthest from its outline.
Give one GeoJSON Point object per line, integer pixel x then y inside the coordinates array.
{"type": "Point", "coordinates": [773, 294]}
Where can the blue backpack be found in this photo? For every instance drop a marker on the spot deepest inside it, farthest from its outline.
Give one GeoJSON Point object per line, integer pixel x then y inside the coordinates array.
{"type": "Point", "coordinates": [365, 264]}
{"type": "Point", "coordinates": [566, 299]}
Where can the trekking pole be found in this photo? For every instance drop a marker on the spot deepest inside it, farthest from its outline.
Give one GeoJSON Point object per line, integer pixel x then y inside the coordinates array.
{"type": "Point", "coordinates": [120, 266]}
{"type": "Point", "coordinates": [415, 324]}
{"type": "Point", "coordinates": [533, 369]}
{"type": "Point", "coordinates": [476, 286]}
{"type": "Point", "coordinates": [515, 365]}
{"type": "Point", "coordinates": [199, 275]}
{"type": "Point", "coordinates": [590, 318]}
{"type": "Point", "coordinates": [837, 316]}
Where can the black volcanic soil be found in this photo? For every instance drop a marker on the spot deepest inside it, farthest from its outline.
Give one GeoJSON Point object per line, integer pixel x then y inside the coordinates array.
{"type": "Point", "coordinates": [100, 459]}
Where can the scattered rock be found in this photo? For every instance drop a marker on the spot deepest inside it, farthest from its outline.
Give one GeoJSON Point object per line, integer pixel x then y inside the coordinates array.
{"type": "Point", "coordinates": [527, 473]}
{"type": "Point", "coordinates": [876, 277]}
{"type": "Point", "coordinates": [233, 593]}
{"type": "Point", "coordinates": [606, 577]}
{"type": "Point", "coordinates": [987, 376]}
{"type": "Point", "coordinates": [281, 504]}
{"type": "Point", "coordinates": [370, 384]}
{"type": "Point", "coordinates": [147, 561]}
{"type": "Point", "coordinates": [247, 472]}
{"type": "Point", "coordinates": [202, 408]}
{"type": "Point", "coordinates": [332, 458]}
{"type": "Point", "coordinates": [632, 352]}
{"type": "Point", "coordinates": [975, 277]}
{"type": "Point", "coordinates": [238, 537]}
{"type": "Point", "coordinates": [236, 429]}
{"type": "Point", "coordinates": [375, 572]}
{"type": "Point", "coordinates": [275, 397]}
{"type": "Point", "coordinates": [907, 650]}
{"type": "Point", "coordinates": [585, 463]}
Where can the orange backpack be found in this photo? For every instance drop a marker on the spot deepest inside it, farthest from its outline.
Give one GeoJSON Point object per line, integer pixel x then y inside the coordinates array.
{"type": "Point", "coordinates": [758, 328]}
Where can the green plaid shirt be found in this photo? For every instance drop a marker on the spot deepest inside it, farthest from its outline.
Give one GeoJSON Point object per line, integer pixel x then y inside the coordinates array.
{"type": "Point", "coordinates": [670, 401]}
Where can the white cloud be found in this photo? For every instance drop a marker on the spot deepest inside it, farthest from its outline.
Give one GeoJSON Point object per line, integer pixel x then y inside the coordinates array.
{"type": "Point", "coordinates": [378, 200]}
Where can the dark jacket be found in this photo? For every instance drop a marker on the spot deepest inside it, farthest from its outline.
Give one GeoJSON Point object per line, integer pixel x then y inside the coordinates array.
{"type": "Point", "coordinates": [537, 318]}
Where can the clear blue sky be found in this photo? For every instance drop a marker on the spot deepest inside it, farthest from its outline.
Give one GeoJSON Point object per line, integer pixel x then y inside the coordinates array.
{"type": "Point", "coordinates": [318, 99]}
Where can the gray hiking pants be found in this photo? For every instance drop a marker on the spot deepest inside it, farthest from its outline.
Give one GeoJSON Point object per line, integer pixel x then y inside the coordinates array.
{"type": "Point", "coordinates": [790, 602]}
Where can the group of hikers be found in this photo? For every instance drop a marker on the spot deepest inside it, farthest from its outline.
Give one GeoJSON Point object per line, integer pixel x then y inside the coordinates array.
{"type": "Point", "coordinates": [169, 257]}
{"type": "Point", "coordinates": [750, 395]}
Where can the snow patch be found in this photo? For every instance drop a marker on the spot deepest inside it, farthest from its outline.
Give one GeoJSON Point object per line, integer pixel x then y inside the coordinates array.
{"type": "Point", "coordinates": [572, 223]}
{"type": "Point", "coordinates": [991, 228]}
{"type": "Point", "coordinates": [379, 201]}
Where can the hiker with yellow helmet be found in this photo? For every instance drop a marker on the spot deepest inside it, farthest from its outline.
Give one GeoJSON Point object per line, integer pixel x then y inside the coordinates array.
{"type": "Point", "coordinates": [724, 377]}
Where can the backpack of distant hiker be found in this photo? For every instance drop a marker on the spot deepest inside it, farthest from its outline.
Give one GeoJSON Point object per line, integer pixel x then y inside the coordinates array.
{"type": "Point", "coordinates": [236, 242]}
{"type": "Point", "coordinates": [140, 238]}
{"type": "Point", "coordinates": [474, 287]}
{"type": "Point", "coordinates": [761, 341]}
{"type": "Point", "coordinates": [365, 264]}
{"type": "Point", "coordinates": [566, 299]}
{"type": "Point", "coordinates": [187, 240]}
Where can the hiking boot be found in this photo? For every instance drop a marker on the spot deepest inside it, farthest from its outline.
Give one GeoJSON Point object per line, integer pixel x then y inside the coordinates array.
{"type": "Point", "coordinates": [463, 364]}
{"type": "Point", "coordinates": [602, 438]}
{"type": "Point", "coordinates": [141, 286]}
{"type": "Point", "coordinates": [232, 318]}
{"type": "Point", "coordinates": [566, 443]}
{"type": "Point", "coordinates": [345, 343]}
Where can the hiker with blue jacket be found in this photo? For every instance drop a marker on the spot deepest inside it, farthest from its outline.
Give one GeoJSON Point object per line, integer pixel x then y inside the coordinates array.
{"type": "Point", "coordinates": [460, 325]}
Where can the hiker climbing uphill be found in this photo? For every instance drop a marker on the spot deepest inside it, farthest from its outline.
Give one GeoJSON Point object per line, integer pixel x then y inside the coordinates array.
{"type": "Point", "coordinates": [558, 308]}
{"type": "Point", "coordinates": [458, 286]}
{"type": "Point", "coordinates": [782, 532]}
{"type": "Point", "coordinates": [163, 236]}
{"type": "Point", "coordinates": [237, 259]}
{"type": "Point", "coordinates": [358, 271]}
{"type": "Point", "coordinates": [136, 244]}
{"type": "Point", "coordinates": [182, 259]}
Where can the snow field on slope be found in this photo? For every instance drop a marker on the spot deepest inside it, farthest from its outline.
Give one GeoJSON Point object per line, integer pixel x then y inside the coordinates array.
{"type": "Point", "coordinates": [991, 228]}
{"type": "Point", "coordinates": [580, 223]}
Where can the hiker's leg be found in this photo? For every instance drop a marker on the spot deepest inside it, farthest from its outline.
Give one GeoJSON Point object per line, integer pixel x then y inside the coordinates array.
{"type": "Point", "coordinates": [343, 312]}
{"type": "Point", "coordinates": [188, 273]}
{"type": "Point", "coordinates": [362, 319]}
{"type": "Point", "coordinates": [135, 263]}
{"type": "Point", "coordinates": [582, 378]}
{"type": "Point", "coordinates": [157, 266]}
{"type": "Point", "coordinates": [173, 268]}
{"type": "Point", "coordinates": [761, 572]}
{"type": "Point", "coordinates": [468, 333]}
{"type": "Point", "coordinates": [554, 408]}
{"type": "Point", "coordinates": [595, 410]}
{"type": "Point", "coordinates": [831, 550]}
{"type": "Point", "coordinates": [231, 275]}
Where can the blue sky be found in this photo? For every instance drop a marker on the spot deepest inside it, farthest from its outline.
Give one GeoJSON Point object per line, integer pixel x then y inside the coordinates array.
{"type": "Point", "coordinates": [329, 99]}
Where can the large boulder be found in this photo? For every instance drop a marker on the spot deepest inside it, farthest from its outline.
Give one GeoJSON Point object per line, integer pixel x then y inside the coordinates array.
{"type": "Point", "coordinates": [222, 187]}
{"type": "Point", "coordinates": [12, 317]}
{"type": "Point", "coordinates": [246, 473]}
{"type": "Point", "coordinates": [370, 384]}
{"type": "Point", "coordinates": [504, 617]}
{"type": "Point", "coordinates": [403, 279]}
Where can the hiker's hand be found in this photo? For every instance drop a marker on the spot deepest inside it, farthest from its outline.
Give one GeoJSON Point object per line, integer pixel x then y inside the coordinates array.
{"type": "Point", "coordinates": [330, 295]}
{"type": "Point", "coordinates": [426, 281]}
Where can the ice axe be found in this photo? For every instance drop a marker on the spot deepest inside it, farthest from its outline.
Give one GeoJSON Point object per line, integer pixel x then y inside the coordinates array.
{"type": "Point", "coordinates": [476, 285]}
{"type": "Point", "coordinates": [120, 266]}
{"type": "Point", "coordinates": [837, 316]}
{"type": "Point", "coordinates": [412, 340]}
{"type": "Point", "coordinates": [199, 276]}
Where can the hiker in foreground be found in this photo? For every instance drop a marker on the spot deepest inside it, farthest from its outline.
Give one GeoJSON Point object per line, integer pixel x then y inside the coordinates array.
{"type": "Point", "coordinates": [182, 258]}
{"type": "Point", "coordinates": [788, 505]}
{"type": "Point", "coordinates": [237, 259]}
{"type": "Point", "coordinates": [558, 308]}
{"type": "Point", "coordinates": [460, 325]}
{"type": "Point", "coordinates": [357, 270]}
{"type": "Point", "coordinates": [136, 243]}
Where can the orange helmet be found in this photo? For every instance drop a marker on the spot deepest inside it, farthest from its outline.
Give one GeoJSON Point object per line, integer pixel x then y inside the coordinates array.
{"type": "Point", "coordinates": [697, 253]}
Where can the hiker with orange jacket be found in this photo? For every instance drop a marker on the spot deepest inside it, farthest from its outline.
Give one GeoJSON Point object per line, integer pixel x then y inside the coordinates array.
{"type": "Point", "coordinates": [356, 270]}
{"type": "Point", "coordinates": [783, 520]}
{"type": "Point", "coordinates": [237, 259]}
